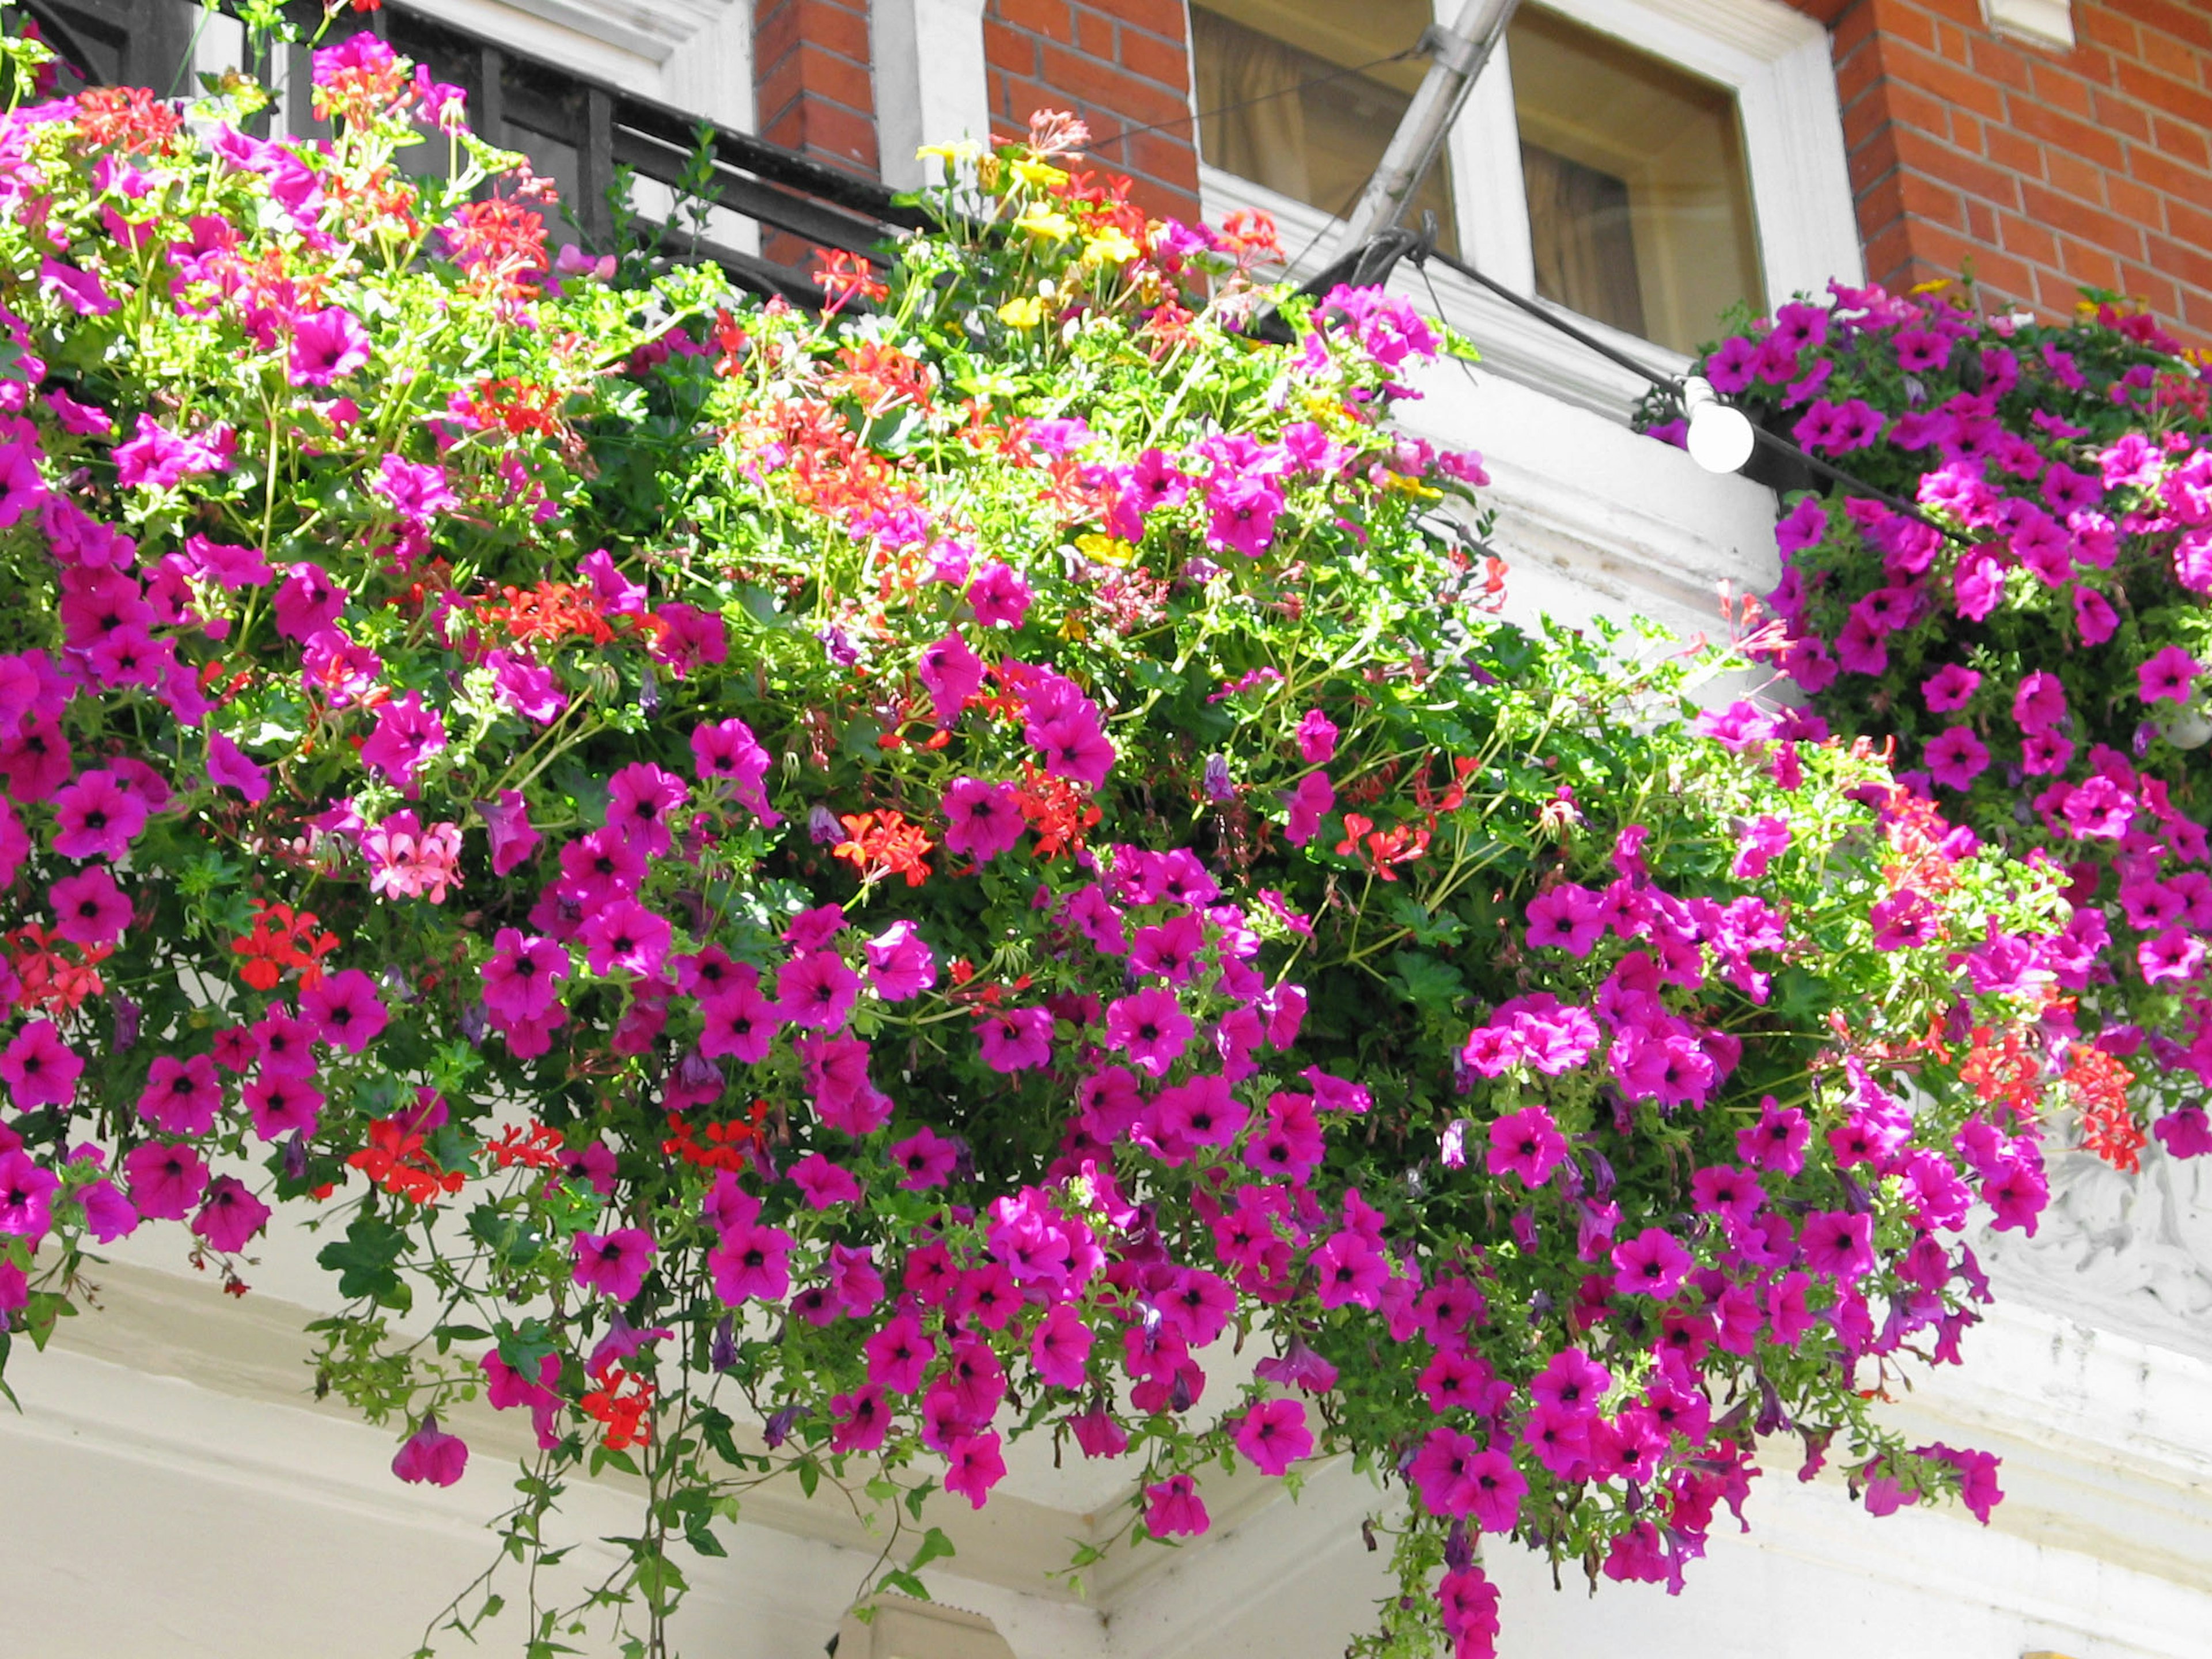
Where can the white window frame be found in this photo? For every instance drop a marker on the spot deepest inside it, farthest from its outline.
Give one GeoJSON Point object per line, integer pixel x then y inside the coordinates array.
{"type": "Point", "coordinates": [1775, 62]}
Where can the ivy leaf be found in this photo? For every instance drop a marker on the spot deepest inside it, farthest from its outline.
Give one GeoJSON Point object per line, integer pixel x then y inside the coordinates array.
{"type": "Point", "coordinates": [364, 1260]}
{"type": "Point", "coordinates": [935, 1546]}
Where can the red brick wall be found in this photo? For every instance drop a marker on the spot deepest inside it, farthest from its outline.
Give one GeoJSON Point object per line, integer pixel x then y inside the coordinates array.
{"type": "Point", "coordinates": [2047, 169]}
{"type": "Point", "coordinates": [1119, 64]}
{"type": "Point", "coordinates": [811, 85]}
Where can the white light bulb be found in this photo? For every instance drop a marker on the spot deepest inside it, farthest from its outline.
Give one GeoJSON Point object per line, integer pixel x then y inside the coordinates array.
{"type": "Point", "coordinates": [1720, 437]}
{"type": "Point", "coordinates": [2187, 728]}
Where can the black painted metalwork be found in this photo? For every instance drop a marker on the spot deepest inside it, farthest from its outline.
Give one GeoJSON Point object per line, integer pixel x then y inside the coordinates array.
{"type": "Point", "coordinates": [577, 130]}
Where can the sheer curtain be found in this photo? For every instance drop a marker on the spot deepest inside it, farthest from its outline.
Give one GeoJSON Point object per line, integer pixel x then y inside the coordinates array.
{"type": "Point", "coordinates": [1583, 242]}
{"type": "Point", "coordinates": [1266, 141]}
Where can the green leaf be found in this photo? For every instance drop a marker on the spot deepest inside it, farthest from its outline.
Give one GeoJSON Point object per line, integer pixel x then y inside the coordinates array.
{"type": "Point", "coordinates": [935, 1546]}
{"type": "Point", "coordinates": [1426, 982]}
{"type": "Point", "coordinates": [364, 1260]}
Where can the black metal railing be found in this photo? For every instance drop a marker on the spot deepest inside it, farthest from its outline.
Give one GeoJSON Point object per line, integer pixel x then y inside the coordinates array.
{"type": "Point", "coordinates": [576, 130]}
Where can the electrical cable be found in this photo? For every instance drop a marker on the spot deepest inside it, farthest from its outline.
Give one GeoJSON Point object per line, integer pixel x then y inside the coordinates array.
{"type": "Point", "coordinates": [1424, 250]}
{"type": "Point", "coordinates": [1414, 50]}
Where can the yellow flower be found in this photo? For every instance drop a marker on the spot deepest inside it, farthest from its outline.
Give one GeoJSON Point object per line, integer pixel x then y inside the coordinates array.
{"type": "Point", "coordinates": [1104, 549]}
{"type": "Point", "coordinates": [966, 150]}
{"type": "Point", "coordinates": [1024, 312]}
{"type": "Point", "coordinates": [1040, 174]}
{"type": "Point", "coordinates": [1109, 246]}
{"type": "Point", "coordinates": [1041, 223]}
{"type": "Point", "coordinates": [1398, 484]}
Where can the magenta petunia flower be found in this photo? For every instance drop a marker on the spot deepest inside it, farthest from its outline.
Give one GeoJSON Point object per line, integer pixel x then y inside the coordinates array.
{"type": "Point", "coordinates": [96, 816]}
{"type": "Point", "coordinates": [751, 1263]}
{"type": "Point", "coordinates": [1567, 917]}
{"type": "Point", "coordinates": [230, 1215]}
{"type": "Point", "coordinates": [307, 602]}
{"type": "Point", "coordinates": [80, 290]}
{"type": "Point", "coordinates": [281, 1103]}
{"type": "Point", "coordinates": [89, 908]}
{"type": "Point", "coordinates": [973, 1465]}
{"type": "Point", "coordinates": [1950, 688]}
{"type": "Point", "coordinates": [1273, 1435]}
{"type": "Point", "coordinates": [739, 1023]}
{"type": "Point", "coordinates": [1151, 1027]}
{"type": "Point", "coordinates": [27, 1195]}
{"type": "Point", "coordinates": [1955, 757]}
{"type": "Point", "coordinates": [982, 819]}
{"type": "Point", "coordinates": [39, 1068]}
{"type": "Point", "coordinates": [430, 1457]}
{"type": "Point", "coordinates": [725, 751]}
{"type": "Point", "coordinates": [507, 822]}
{"type": "Point", "coordinates": [614, 1264]}
{"type": "Point", "coordinates": [529, 689]}
{"type": "Point", "coordinates": [1075, 747]}
{"type": "Point", "coordinates": [415, 491]}
{"type": "Point", "coordinates": [181, 1096]}
{"type": "Point", "coordinates": [826, 1184]}
{"type": "Point", "coordinates": [327, 345]}
{"type": "Point", "coordinates": [344, 1010]}
{"type": "Point", "coordinates": [165, 1180]}
{"type": "Point", "coordinates": [639, 797]}
{"type": "Point", "coordinates": [2168, 675]}
{"type": "Point", "coordinates": [158, 457]}
{"type": "Point", "coordinates": [1528, 1144]}
{"type": "Point", "coordinates": [1017, 1039]}
{"type": "Point", "coordinates": [999, 597]}
{"type": "Point", "coordinates": [927, 1157]}
{"type": "Point", "coordinates": [900, 964]}
{"type": "Point", "coordinates": [1838, 1246]}
{"type": "Point", "coordinates": [1313, 800]}
{"type": "Point", "coordinates": [522, 979]}
{"type": "Point", "coordinates": [1173, 1508]}
{"type": "Point", "coordinates": [817, 990]}
{"type": "Point", "coordinates": [623, 937]}
{"type": "Point", "coordinates": [951, 672]}
{"type": "Point", "coordinates": [407, 733]}
{"type": "Point", "coordinates": [1651, 1264]}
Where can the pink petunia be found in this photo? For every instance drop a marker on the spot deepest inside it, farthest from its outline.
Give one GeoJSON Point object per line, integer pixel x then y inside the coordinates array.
{"type": "Point", "coordinates": [327, 345]}
{"type": "Point", "coordinates": [1950, 688]}
{"type": "Point", "coordinates": [344, 1010]}
{"type": "Point", "coordinates": [1956, 757]}
{"type": "Point", "coordinates": [282, 1105]}
{"type": "Point", "coordinates": [1528, 1144]}
{"type": "Point", "coordinates": [431, 1456]}
{"type": "Point", "coordinates": [230, 1215]}
{"type": "Point", "coordinates": [817, 990]}
{"type": "Point", "coordinates": [165, 1180]}
{"type": "Point", "coordinates": [614, 1264]}
{"type": "Point", "coordinates": [39, 1068]}
{"type": "Point", "coordinates": [951, 672]}
{"type": "Point", "coordinates": [2168, 675]}
{"type": "Point", "coordinates": [1273, 1435]}
{"type": "Point", "coordinates": [97, 816]}
{"type": "Point", "coordinates": [1151, 1027]}
{"type": "Point", "coordinates": [89, 908]}
{"type": "Point", "coordinates": [181, 1096]}
{"type": "Point", "coordinates": [1017, 1039]}
{"type": "Point", "coordinates": [999, 597]}
{"type": "Point", "coordinates": [751, 1263]}
{"type": "Point", "coordinates": [982, 819]}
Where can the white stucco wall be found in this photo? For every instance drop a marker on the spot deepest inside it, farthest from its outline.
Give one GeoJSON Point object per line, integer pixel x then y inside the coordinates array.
{"type": "Point", "coordinates": [170, 1489]}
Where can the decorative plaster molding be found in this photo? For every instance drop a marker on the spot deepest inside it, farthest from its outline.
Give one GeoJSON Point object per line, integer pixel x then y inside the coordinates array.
{"type": "Point", "coordinates": [2127, 1253]}
{"type": "Point", "coordinates": [650, 28]}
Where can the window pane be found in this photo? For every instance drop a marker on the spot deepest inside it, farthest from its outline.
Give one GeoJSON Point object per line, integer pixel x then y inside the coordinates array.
{"type": "Point", "coordinates": [1267, 113]}
{"type": "Point", "coordinates": [1639, 205]}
